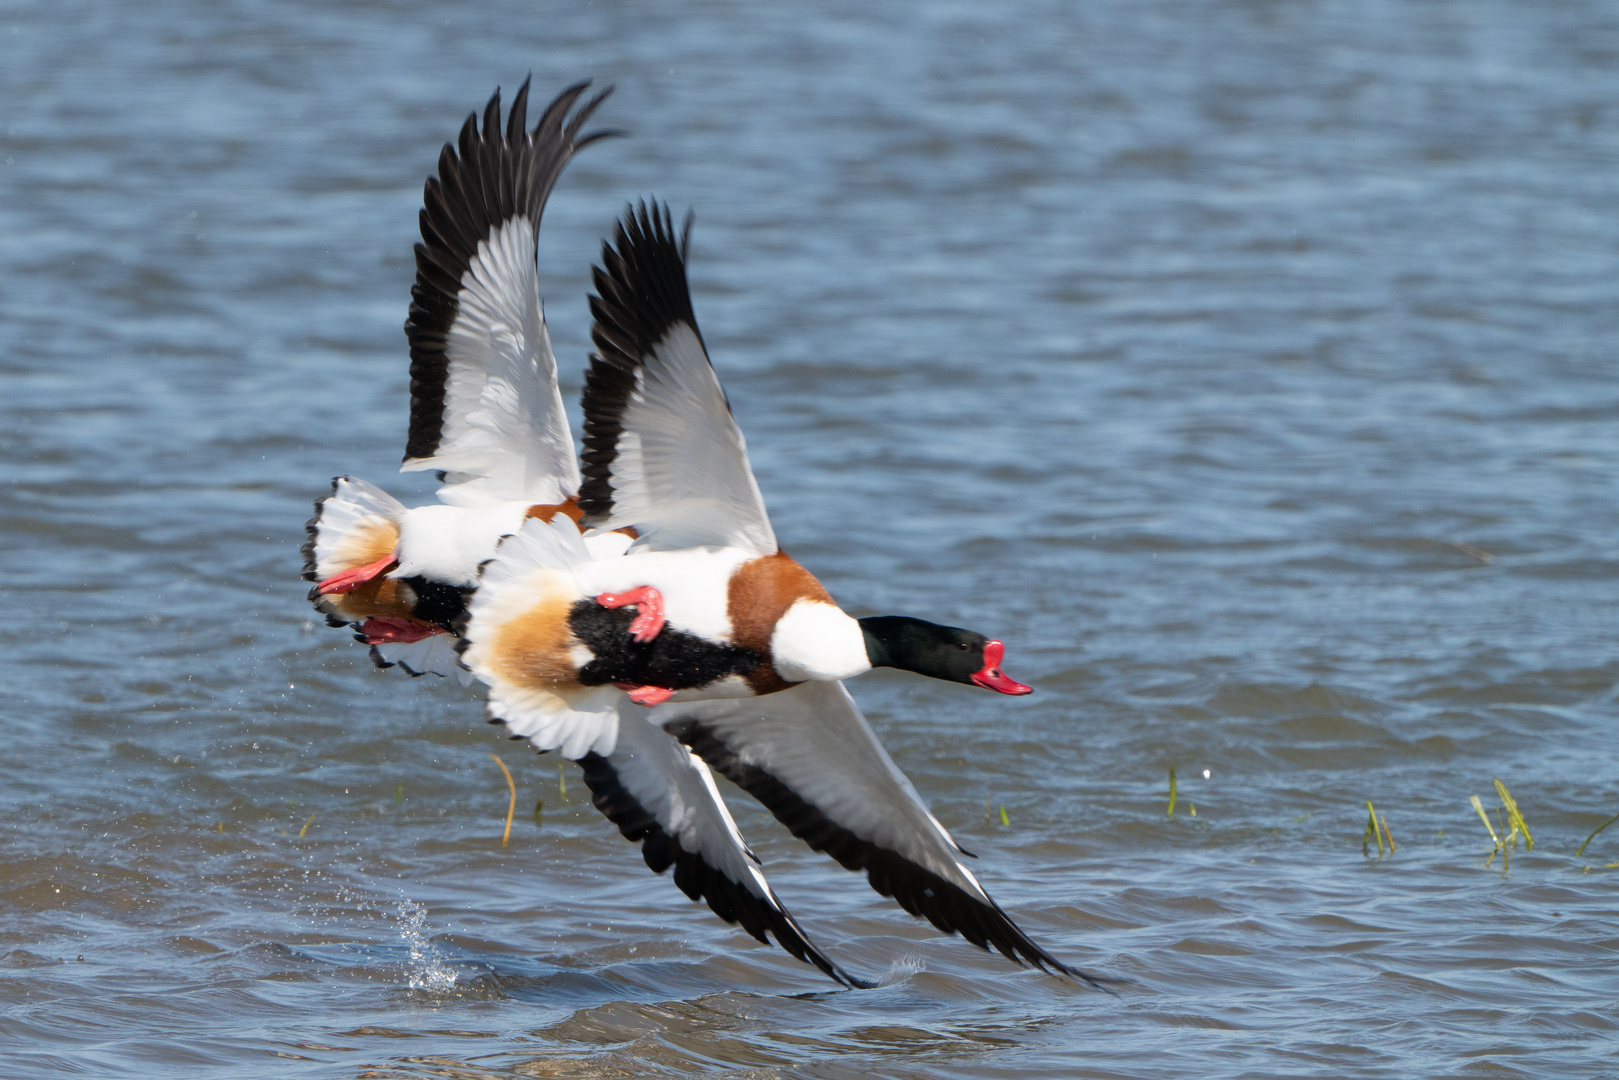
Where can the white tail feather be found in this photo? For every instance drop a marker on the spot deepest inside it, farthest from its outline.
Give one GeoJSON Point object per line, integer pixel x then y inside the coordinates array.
{"type": "Point", "coordinates": [349, 523]}
{"type": "Point", "coordinates": [520, 645]}
{"type": "Point", "coordinates": [578, 725]}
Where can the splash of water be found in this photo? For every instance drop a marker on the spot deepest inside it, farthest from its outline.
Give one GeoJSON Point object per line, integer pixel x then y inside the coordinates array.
{"type": "Point", "coordinates": [902, 968]}
{"type": "Point", "coordinates": [426, 969]}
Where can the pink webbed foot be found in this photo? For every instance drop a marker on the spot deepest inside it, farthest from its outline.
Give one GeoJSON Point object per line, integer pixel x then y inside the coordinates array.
{"type": "Point", "coordinates": [380, 629]}
{"type": "Point", "coordinates": [646, 695]}
{"type": "Point", "coordinates": [349, 580]}
{"type": "Point", "coordinates": [648, 603]}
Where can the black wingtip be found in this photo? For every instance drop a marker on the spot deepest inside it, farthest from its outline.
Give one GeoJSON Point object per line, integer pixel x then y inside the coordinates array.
{"type": "Point", "coordinates": [484, 179]}
{"type": "Point", "coordinates": [597, 136]}
{"type": "Point", "coordinates": [685, 234]}
{"type": "Point", "coordinates": [920, 891]}
{"type": "Point", "coordinates": [554, 118]}
{"type": "Point", "coordinates": [491, 116]}
{"type": "Point", "coordinates": [641, 292]}
{"type": "Point", "coordinates": [579, 118]}
{"type": "Point", "coordinates": [517, 117]}
{"type": "Point", "coordinates": [762, 917]}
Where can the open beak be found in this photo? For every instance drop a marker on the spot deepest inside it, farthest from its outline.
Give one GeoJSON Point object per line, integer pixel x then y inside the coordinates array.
{"type": "Point", "coordinates": [992, 678]}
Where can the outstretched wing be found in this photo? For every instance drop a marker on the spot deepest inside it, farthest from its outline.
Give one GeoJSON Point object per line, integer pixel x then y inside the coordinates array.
{"type": "Point", "coordinates": [808, 754]}
{"type": "Point", "coordinates": [484, 404]}
{"type": "Point", "coordinates": [657, 793]}
{"type": "Point", "coordinates": [662, 451]}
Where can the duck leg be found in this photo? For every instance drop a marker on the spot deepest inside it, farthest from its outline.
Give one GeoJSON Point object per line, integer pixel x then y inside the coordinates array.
{"type": "Point", "coordinates": [347, 581]}
{"type": "Point", "coordinates": [645, 695]}
{"type": "Point", "coordinates": [384, 628]}
{"type": "Point", "coordinates": [648, 603]}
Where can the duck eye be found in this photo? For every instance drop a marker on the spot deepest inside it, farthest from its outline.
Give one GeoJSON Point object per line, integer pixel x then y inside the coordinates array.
{"type": "Point", "coordinates": [963, 646]}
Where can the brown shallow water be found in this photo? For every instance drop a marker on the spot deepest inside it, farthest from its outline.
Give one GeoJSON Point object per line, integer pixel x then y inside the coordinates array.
{"type": "Point", "coordinates": [1248, 367]}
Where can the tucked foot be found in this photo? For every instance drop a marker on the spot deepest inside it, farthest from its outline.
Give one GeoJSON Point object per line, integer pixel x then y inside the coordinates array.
{"type": "Point", "coordinates": [384, 628]}
{"type": "Point", "coordinates": [646, 695]}
{"type": "Point", "coordinates": [648, 610]}
{"type": "Point", "coordinates": [349, 580]}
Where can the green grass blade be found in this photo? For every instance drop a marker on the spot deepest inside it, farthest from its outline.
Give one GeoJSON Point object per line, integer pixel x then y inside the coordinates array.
{"type": "Point", "coordinates": [1482, 816]}
{"type": "Point", "coordinates": [1513, 814]}
{"type": "Point", "coordinates": [1577, 851]}
{"type": "Point", "coordinates": [1171, 811]}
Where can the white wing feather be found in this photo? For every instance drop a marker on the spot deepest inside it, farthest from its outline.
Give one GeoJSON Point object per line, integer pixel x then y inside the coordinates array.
{"type": "Point", "coordinates": [681, 474]}
{"type": "Point", "coordinates": [505, 434]}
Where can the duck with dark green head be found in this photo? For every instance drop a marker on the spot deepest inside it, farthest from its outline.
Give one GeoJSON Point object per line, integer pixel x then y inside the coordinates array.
{"type": "Point", "coordinates": [940, 652]}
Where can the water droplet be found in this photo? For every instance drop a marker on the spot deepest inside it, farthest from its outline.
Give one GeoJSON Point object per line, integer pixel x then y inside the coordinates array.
{"type": "Point", "coordinates": [426, 969]}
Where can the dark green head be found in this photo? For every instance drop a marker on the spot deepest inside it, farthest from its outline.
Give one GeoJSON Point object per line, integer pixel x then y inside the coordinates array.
{"type": "Point", "coordinates": [940, 652]}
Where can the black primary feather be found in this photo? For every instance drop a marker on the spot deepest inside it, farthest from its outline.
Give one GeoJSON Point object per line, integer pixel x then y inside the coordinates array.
{"type": "Point", "coordinates": [696, 878]}
{"type": "Point", "coordinates": [641, 294]}
{"type": "Point", "coordinates": [486, 180]}
{"type": "Point", "coordinates": [916, 889]}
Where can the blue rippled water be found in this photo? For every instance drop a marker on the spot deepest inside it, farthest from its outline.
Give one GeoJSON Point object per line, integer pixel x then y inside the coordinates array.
{"type": "Point", "coordinates": [1246, 365]}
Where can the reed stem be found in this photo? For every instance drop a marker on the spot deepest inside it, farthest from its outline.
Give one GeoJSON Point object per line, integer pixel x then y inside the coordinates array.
{"type": "Point", "coordinates": [511, 807]}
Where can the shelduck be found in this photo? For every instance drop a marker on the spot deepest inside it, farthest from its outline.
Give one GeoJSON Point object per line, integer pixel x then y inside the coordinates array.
{"type": "Point", "coordinates": [704, 604]}
{"type": "Point", "coordinates": [486, 411]}
{"type": "Point", "coordinates": [735, 648]}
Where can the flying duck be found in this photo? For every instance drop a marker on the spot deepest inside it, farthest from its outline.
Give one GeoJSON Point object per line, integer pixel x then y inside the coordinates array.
{"type": "Point", "coordinates": [736, 649]}
{"type": "Point", "coordinates": [485, 409]}
{"type": "Point", "coordinates": [703, 604]}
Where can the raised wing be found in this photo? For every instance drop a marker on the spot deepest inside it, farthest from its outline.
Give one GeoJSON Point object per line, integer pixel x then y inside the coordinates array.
{"type": "Point", "coordinates": [484, 404]}
{"type": "Point", "coordinates": [662, 450]}
{"type": "Point", "coordinates": [661, 796]}
{"type": "Point", "coordinates": [808, 754]}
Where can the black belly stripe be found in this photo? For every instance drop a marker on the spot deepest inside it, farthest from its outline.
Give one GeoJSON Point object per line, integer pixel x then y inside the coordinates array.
{"type": "Point", "coordinates": [673, 660]}
{"type": "Point", "coordinates": [437, 603]}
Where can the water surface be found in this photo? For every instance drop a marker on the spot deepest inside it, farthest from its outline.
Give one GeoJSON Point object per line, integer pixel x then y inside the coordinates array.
{"type": "Point", "coordinates": [1246, 366]}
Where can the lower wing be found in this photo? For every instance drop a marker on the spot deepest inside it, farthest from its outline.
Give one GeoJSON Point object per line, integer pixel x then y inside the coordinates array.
{"type": "Point", "coordinates": [661, 796]}
{"type": "Point", "coordinates": [808, 754]}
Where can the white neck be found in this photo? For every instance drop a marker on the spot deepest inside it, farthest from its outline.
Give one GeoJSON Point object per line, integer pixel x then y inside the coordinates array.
{"type": "Point", "coordinates": [816, 640]}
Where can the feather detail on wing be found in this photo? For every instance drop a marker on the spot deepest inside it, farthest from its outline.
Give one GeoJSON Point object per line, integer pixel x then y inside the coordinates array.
{"type": "Point", "coordinates": [661, 796]}
{"type": "Point", "coordinates": [485, 408]}
{"type": "Point", "coordinates": [808, 754]}
{"type": "Point", "coordinates": [662, 451]}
